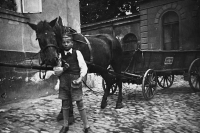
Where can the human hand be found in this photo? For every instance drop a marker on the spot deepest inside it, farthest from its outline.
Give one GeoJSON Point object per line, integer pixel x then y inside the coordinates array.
{"type": "Point", "coordinates": [66, 66]}
{"type": "Point", "coordinates": [78, 81]}
{"type": "Point", "coordinates": [58, 70]}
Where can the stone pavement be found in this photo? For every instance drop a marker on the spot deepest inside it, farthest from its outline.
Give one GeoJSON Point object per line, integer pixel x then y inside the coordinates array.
{"type": "Point", "coordinates": [175, 110]}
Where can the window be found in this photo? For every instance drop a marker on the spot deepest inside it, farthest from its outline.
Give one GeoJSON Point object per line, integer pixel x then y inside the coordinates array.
{"type": "Point", "coordinates": [170, 31]}
{"type": "Point", "coordinates": [31, 6]}
{"type": "Point", "coordinates": [22, 6]}
{"type": "Point", "coordinates": [130, 42]}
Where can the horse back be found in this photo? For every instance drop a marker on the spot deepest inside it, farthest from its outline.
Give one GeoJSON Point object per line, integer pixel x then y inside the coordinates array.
{"type": "Point", "coordinates": [105, 49]}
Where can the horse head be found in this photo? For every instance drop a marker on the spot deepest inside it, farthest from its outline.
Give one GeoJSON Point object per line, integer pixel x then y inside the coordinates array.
{"type": "Point", "coordinates": [46, 36]}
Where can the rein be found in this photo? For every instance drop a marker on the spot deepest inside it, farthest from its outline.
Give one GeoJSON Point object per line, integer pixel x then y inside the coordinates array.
{"type": "Point", "coordinates": [41, 64]}
{"type": "Point", "coordinates": [94, 92]}
{"type": "Point", "coordinates": [49, 45]}
{"type": "Point", "coordinates": [90, 48]}
{"type": "Point", "coordinates": [88, 44]}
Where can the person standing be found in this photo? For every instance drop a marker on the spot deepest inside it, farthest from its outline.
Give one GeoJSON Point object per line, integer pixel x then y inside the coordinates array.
{"type": "Point", "coordinates": [71, 74]}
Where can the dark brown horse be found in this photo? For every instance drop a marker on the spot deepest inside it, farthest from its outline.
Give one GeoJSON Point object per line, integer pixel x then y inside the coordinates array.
{"type": "Point", "coordinates": [99, 52]}
{"type": "Point", "coordinates": [45, 34]}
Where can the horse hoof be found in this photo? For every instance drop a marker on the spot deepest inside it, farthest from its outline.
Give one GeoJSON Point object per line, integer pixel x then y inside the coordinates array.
{"type": "Point", "coordinates": [103, 105]}
{"type": "Point", "coordinates": [119, 106]}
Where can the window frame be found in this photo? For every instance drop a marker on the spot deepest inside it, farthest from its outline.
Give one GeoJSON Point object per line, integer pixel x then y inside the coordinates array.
{"type": "Point", "coordinates": [171, 23]}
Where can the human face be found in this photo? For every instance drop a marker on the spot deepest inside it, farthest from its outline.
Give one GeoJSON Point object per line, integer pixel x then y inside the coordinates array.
{"type": "Point", "coordinates": [67, 43]}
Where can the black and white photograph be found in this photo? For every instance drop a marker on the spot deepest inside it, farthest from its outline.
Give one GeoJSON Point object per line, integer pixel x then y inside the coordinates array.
{"type": "Point", "coordinates": [100, 66]}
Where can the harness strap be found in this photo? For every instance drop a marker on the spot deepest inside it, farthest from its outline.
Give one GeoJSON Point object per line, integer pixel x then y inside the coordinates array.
{"type": "Point", "coordinates": [90, 48]}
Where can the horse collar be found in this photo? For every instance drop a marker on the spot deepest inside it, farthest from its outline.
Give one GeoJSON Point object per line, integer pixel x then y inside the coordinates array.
{"type": "Point", "coordinates": [90, 48]}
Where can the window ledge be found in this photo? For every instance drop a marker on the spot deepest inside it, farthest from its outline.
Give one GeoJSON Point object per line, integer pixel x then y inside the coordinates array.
{"type": "Point", "coordinates": [14, 16]}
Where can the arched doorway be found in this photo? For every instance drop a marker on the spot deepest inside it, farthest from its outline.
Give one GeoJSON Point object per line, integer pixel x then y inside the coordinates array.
{"type": "Point", "coordinates": [129, 42]}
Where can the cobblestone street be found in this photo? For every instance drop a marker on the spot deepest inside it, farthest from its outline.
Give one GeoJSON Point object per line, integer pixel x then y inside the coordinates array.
{"type": "Point", "coordinates": [175, 110]}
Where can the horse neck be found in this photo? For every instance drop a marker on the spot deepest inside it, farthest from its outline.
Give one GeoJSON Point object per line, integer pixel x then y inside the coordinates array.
{"type": "Point", "coordinates": [81, 44]}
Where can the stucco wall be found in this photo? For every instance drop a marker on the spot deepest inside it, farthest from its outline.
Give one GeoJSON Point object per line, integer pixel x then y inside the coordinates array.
{"type": "Point", "coordinates": [122, 30]}
{"type": "Point", "coordinates": [17, 43]}
{"type": "Point", "coordinates": [151, 24]}
{"type": "Point", "coordinates": [117, 27]}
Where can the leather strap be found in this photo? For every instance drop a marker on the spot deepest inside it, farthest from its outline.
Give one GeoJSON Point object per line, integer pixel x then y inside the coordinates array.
{"type": "Point", "coordinates": [90, 48]}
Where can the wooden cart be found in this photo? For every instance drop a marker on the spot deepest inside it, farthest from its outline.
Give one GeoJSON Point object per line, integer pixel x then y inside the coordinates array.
{"type": "Point", "coordinates": [152, 67]}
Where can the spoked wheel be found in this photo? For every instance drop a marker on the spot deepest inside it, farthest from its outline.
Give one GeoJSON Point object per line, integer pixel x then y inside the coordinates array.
{"type": "Point", "coordinates": [149, 84]}
{"type": "Point", "coordinates": [112, 89]}
{"type": "Point", "coordinates": [166, 80]}
{"type": "Point", "coordinates": [194, 75]}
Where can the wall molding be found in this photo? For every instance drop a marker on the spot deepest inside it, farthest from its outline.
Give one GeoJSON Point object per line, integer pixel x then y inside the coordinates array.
{"type": "Point", "coordinates": [172, 6]}
{"type": "Point", "coordinates": [14, 16]}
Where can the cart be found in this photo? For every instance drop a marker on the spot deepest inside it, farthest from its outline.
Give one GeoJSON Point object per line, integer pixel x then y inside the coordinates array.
{"type": "Point", "coordinates": [155, 67]}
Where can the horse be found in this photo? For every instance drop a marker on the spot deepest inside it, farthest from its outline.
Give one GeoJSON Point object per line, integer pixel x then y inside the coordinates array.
{"type": "Point", "coordinates": [99, 51]}
{"type": "Point", "coordinates": [49, 53]}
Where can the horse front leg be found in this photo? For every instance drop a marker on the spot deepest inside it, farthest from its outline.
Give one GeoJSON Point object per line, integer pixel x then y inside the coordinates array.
{"type": "Point", "coordinates": [119, 104]}
{"type": "Point", "coordinates": [106, 92]}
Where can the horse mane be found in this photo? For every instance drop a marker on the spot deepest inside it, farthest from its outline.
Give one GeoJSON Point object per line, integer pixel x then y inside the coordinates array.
{"type": "Point", "coordinates": [69, 30]}
{"type": "Point", "coordinates": [43, 26]}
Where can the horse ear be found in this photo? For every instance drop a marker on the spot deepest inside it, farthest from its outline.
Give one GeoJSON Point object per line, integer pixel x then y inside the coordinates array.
{"type": "Point", "coordinates": [56, 22]}
{"type": "Point", "coordinates": [60, 21]}
{"type": "Point", "coordinates": [53, 22]}
{"type": "Point", "coordinates": [33, 26]}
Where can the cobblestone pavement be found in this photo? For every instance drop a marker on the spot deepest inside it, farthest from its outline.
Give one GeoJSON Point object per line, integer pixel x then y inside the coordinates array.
{"type": "Point", "coordinates": [175, 110]}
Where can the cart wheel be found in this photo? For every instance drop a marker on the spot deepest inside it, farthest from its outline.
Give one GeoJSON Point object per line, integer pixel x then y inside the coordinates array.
{"type": "Point", "coordinates": [165, 81]}
{"type": "Point", "coordinates": [112, 89]}
{"type": "Point", "coordinates": [149, 84]}
{"type": "Point", "coordinates": [194, 75]}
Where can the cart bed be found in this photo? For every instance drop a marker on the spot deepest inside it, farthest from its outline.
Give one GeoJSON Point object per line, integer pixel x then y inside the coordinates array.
{"type": "Point", "coordinates": [176, 61]}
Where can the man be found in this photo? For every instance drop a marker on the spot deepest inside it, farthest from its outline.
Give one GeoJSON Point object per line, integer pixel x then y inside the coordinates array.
{"type": "Point", "coordinates": [71, 73]}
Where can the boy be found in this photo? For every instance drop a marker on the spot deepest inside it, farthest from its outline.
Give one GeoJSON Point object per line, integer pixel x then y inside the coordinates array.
{"type": "Point", "coordinates": [71, 75]}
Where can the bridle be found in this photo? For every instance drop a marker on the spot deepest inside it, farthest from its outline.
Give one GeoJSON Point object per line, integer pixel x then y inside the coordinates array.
{"type": "Point", "coordinates": [42, 52]}
{"type": "Point", "coordinates": [50, 45]}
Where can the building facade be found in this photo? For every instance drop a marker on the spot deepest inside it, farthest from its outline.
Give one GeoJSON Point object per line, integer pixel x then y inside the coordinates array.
{"type": "Point", "coordinates": [125, 29]}
{"type": "Point", "coordinates": [159, 25]}
{"type": "Point", "coordinates": [170, 24]}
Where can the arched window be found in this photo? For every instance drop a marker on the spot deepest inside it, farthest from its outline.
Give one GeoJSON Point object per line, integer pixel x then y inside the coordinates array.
{"type": "Point", "coordinates": [129, 42]}
{"type": "Point", "coordinates": [170, 31]}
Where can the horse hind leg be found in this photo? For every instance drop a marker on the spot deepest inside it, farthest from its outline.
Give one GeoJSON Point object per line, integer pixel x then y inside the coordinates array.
{"type": "Point", "coordinates": [117, 69]}
{"type": "Point", "coordinates": [119, 104]}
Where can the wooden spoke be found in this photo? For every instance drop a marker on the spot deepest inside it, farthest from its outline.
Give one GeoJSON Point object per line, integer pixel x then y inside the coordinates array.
{"type": "Point", "coordinates": [194, 75]}
{"type": "Point", "coordinates": [166, 80]}
{"type": "Point", "coordinates": [149, 84]}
